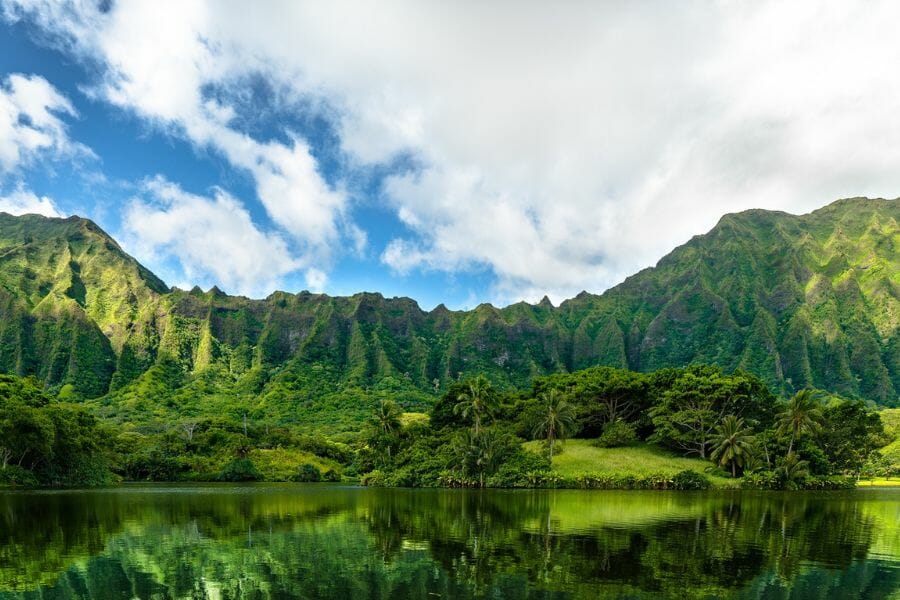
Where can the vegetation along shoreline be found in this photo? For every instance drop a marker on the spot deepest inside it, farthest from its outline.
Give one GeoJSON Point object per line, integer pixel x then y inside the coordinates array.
{"type": "Point", "coordinates": [692, 428]}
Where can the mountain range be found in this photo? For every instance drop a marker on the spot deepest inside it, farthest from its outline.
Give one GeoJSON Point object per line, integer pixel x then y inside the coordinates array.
{"type": "Point", "coordinates": [802, 301]}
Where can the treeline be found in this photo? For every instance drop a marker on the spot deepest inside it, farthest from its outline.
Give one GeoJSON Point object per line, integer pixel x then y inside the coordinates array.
{"type": "Point", "coordinates": [475, 433]}
{"type": "Point", "coordinates": [473, 436]}
{"type": "Point", "coordinates": [46, 442]}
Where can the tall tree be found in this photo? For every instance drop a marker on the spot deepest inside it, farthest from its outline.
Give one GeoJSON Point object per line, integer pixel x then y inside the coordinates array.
{"type": "Point", "coordinates": [802, 415]}
{"type": "Point", "coordinates": [556, 419]}
{"type": "Point", "coordinates": [385, 421]}
{"type": "Point", "coordinates": [732, 443]}
{"type": "Point", "coordinates": [853, 433]}
{"type": "Point", "coordinates": [478, 401]}
{"type": "Point", "coordinates": [481, 453]}
{"type": "Point", "coordinates": [386, 417]}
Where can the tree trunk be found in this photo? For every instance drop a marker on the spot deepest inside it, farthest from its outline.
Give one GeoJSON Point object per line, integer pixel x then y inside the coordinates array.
{"type": "Point", "coordinates": [733, 470]}
{"type": "Point", "coordinates": [551, 440]}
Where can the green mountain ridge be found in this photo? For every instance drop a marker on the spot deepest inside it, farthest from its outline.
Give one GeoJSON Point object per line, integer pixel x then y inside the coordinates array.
{"type": "Point", "coordinates": [810, 300]}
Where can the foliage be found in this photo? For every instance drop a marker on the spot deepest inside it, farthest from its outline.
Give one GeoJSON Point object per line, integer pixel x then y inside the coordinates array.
{"type": "Point", "coordinates": [616, 434]}
{"type": "Point", "coordinates": [689, 412]}
{"type": "Point", "coordinates": [802, 415]}
{"type": "Point", "coordinates": [851, 435]}
{"type": "Point", "coordinates": [56, 443]}
{"type": "Point", "coordinates": [732, 443]}
{"type": "Point", "coordinates": [477, 401]}
{"type": "Point", "coordinates": [309, 472]}
{"type": "Point", "coordinates": [479, 453]}
{"type": "Point", "coordinates": [240, 469]}
{"type": "Point", "coordinates": [792, 471]}
{"type": "Point", "coordinates": [690, 480]}
{"type": "Point", "coordinates": [555, 421]}
{"type": "Point", "coordinates": [797, 300]}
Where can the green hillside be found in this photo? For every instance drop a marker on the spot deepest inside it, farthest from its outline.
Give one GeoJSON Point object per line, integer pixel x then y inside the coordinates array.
{"type": "Point", "coordinates": [810, 300]}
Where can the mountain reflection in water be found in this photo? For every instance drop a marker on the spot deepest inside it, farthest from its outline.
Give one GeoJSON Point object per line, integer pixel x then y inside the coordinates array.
{"type": "Point", "coordinates": [331, 541]}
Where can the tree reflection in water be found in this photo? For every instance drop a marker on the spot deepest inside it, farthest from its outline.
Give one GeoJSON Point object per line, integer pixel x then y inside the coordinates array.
{"type": "Point", "coordinates": [321, 541]}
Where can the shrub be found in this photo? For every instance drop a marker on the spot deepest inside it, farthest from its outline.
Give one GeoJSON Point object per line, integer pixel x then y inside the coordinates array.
{"type": "Point", "coordinates": [331, 475]}
{"type": "Point", "coordinates": [690, 480]}
{"type": "Point", "coordinates": [240, 469]}
{"type": "Point", "coordinates": [373, 479]}
{"type": "Point", "coordinates": [773, 480]}
{"type": "Point", "coordinates": [616, 433]}
{"type": "Point", "coordinates": [16, 475]}
{"type": "Point", "coordinates": [308, 473]}
{"type": "Point", "coordinates": [761, 480]}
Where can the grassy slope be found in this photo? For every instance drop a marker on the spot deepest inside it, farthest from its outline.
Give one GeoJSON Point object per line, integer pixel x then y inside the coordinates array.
{"type": "Point", "coordinates": [580, 457]}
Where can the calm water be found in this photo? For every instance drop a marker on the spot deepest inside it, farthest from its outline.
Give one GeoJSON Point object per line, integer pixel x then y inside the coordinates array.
{"type": "Point", "coordinates": [324, 541]}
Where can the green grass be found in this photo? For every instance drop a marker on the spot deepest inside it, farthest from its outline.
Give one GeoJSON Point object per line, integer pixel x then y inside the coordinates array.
{"type": "Point", "coordinates": [879, 482]}
{"type": "Point", "coordinates": [281, 464]}
{"type": "Point", "coordinates": [891, 419]}
{"type": "Point", "coordinates": [581, 457]}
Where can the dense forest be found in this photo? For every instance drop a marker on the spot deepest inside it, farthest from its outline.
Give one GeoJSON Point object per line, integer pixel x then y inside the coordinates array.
{"type": "Point", "coordinates": [476, 435]}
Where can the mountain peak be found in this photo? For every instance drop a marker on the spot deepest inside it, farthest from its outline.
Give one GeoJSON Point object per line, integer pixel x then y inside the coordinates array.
{"type": "Point", "coordinates": [806, 300]}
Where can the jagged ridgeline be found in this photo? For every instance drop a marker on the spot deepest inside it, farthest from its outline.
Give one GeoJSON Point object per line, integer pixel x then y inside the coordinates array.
{"type": "Point", "coordinates": [810, 300]}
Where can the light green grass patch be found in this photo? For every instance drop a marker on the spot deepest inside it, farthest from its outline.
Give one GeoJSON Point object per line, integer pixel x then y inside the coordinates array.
{"type": "Point", "coordinates": [891, 419]}
{"type": "Point", "coordinates": [581, 457]}
{"type": "Point", "coordinates": [282, 464]}
{"type": "Point", "coordinates": [879, 482]}
{"type": "Point", "coordinates": [414, 418]}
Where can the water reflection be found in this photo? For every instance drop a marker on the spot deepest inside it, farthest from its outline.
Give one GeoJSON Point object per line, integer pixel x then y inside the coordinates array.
{"type": "Point", "coordinates": [320, 541]}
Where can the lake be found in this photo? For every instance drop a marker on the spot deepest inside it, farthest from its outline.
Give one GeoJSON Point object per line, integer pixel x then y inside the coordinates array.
{"type": "Point", "coordinates": [334, 541]}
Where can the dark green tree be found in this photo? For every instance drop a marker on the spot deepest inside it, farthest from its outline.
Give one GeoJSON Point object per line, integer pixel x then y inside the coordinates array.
{"type": "Point", "coordinates": [851, 435]}
{"type": "Point", "coordinates": [478, 401]}
{"type": "Point", "coordinates": [385, 423]}
{"type": "Point", "coordinates": [732, 443]}
{"type": "Point", "coordinates": [802, 415]}
{"type": "Point", "coordinates": [480, 454]}
{"type": "Point", "coordinates": [688, 413]}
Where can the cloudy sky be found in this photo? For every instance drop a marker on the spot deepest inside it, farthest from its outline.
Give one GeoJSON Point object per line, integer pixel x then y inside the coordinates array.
{"type": "Point", "coordinates": [453, 152]}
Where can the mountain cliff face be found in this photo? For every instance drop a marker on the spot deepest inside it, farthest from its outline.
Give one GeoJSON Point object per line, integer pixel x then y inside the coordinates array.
{"type": "Point", "coordinates": [810, 300]}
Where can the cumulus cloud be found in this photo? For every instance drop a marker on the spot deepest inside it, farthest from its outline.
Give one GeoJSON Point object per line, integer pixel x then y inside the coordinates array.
{"type": "Point", "coordinates": [22, 202]}
{"type": "Point", "coordinates": [213, 238]}
{"type": "Point", "coordinates": [159, 66]}
{"type": "Point", "coordinates": [30, 123]}
{"type": "Point", "coordinates": [560, 146]}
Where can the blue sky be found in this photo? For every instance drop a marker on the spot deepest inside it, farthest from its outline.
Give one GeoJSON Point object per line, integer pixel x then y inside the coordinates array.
{"type": "Point", "coordinates": [454, 154]}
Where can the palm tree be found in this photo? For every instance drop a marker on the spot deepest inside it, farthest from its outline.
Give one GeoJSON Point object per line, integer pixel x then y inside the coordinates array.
{"type": "Point", "coordinates": [386, 421]}
{"type": "Point", "coordinates": [478, 401]}
{"type": "Point", "coordinates": [803, 414]}
{"type": "Point", "coordinates": [732, 443]}
{"type": "Point", "coordinates": [555, 421]}
{"type": "Point", "coordinates": [480, 453]}
{"type": "Point", "coordinates": [792, 469]}
{"type": "Point", "coordinates": [386, 417]}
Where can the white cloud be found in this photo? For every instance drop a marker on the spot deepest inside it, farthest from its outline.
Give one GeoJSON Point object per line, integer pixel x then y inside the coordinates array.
{"type": "Point", "coordinates": [561, 146]}
{"type": "Point", "coordinates": [23, 202]}
{"type": "Point", "coordinates": [30, 110]}
{"type": "Point", "coordinates": [158, 60]}
{"type": "Point", "coordinates": [213, 238]}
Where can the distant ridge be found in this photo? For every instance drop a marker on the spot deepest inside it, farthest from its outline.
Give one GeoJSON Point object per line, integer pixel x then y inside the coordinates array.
{"type": "Point", "coordinates": [810, 300]}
